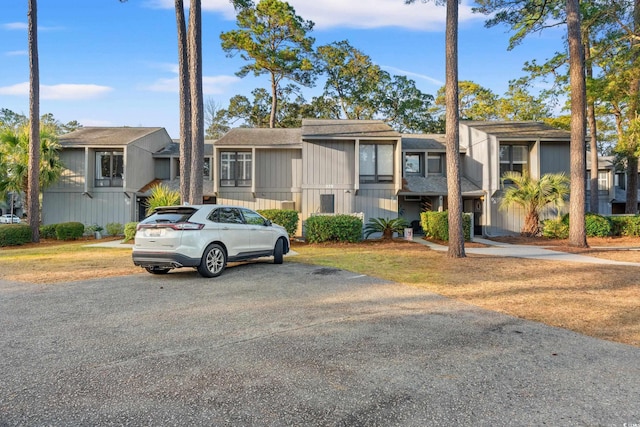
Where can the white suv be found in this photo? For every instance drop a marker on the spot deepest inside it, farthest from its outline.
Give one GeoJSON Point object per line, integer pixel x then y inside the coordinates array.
{"type": "Point", "coordinates": [205, 237]}
{"type": "Point", "coordinates": [9, 219]}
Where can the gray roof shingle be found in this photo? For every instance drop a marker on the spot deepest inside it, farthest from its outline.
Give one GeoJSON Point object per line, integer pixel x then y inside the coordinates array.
{"type": "Point", "coordinates": [104, 136]}
{"type": "Point", "coordinates": [436, 185]}
{"type": "Point", "coordinates": [261, 137]}
{"type": "Point", "coordinates": [318, 128]}
{"type": "Point", "coordinates": [519, 130]}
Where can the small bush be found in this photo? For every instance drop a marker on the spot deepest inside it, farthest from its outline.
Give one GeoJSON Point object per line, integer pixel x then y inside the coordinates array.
{"type": "Point", "coordinates": [114, 228]}
{"type": "Point", "coordinates": [48, 231]}
{"type": "Point", "coordinates": [69, 230]}
{"type": "Point", "coordinates": [555, 229]}
{"type": "Point", "coordinates": [338, 228]}
{"type": "Point", "coordinates": [436, 225]}
{"type": "Point", "coordinates": [385, 226]}
{"type": "Point", "coordinates": [625, 225]}
{"type": "Point", "coordinates": [14, 234]}
{"type": "Point", "coordinates": [162, 195]}
{"type": "Point", "coordinates": [287, 218]}
{"type": "Point", "coordinates": [597, 225]}
{"type": "Point", "coordinates": [130, 231]}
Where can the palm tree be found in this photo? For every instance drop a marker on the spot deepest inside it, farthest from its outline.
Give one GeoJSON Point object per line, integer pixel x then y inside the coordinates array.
{"type": "Point", "coordinates": [385, 226]}
{"type": "Point", "coordinates": [33, 187]}
{"type": "Point", "coordinates": [15, 155]}
{"type": "Point", "coordinates": [533, 195]}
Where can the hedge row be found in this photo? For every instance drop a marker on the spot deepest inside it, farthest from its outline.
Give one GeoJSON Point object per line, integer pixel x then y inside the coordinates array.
{"type": "Point", "coordinates": [287, 218]}
{"type": "Point", "coordinates": [436, 225]}
{"type": "Point", "coordinates": [333, 228]}
{"type": "Point", "coordinates": [14, 234]}
{"type": "Point", "coordinates": [595, 226]}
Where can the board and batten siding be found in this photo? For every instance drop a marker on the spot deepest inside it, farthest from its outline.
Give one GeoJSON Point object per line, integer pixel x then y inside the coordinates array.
{"type": "Point", "coordinates": [328, 163]}
{"type": "Point", "coordinates": [377, 203]}
{"type": "Point", "coordinates": [73, 175]}
{"type": "Point", "coordinates": [555, 158]}
{"type": "Point", "coordinates": [105, 207]}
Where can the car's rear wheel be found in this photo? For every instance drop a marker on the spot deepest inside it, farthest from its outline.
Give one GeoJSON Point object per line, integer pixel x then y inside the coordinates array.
{"type": "Point", "coordinates": [214, 260]}
{"type": "Point", "coordinates": [278, 252]}
{"type": "Point", "coordinates": [157, 270]}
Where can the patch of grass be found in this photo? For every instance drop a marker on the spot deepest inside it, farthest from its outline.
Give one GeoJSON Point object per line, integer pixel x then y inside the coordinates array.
{"type": "Point", "coordinates": [599, 301]}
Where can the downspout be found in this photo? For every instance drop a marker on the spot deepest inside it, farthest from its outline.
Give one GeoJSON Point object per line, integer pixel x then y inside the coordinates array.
{"type": "Point", "coordinates": [356, 178]}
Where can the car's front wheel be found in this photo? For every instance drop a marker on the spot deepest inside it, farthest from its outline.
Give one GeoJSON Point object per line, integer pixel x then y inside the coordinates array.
{"type": "Point", "coordinates": [214, 260]}
{"type": "Point", "coordinates": [278, 252]}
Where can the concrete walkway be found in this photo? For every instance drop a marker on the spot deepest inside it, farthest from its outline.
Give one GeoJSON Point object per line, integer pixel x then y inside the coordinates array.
{"type": "Point", "coordinates": [525, 251]}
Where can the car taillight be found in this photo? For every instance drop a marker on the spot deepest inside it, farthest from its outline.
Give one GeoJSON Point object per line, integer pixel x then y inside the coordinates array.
{"type": "Point", "coordinates": [187, 226]}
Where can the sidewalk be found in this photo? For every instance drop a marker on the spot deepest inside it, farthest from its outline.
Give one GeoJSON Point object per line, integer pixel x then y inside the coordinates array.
{"type": "Point", "coordinates": [525, 251]}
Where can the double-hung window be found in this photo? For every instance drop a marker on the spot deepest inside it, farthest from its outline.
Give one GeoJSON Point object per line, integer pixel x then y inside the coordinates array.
{"type": "Point", "coordinates": [514, 158]}
{"type": "Point", "coordinates": [109, 168]}
{"type": "Point", "coordinates": [376, 163]}
{"type": "Point", "coordinates": [434, 164]}
{"type": "Point", "coordinates": [235, 169]}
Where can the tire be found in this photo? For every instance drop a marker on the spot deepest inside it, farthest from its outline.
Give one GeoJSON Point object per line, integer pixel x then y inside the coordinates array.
{"type": "Point", "coordinates": [278, 252]}
{"type": "Point", "coordinates": [157, 270]}
{"type": "Point", "coordinates": [214, 261]}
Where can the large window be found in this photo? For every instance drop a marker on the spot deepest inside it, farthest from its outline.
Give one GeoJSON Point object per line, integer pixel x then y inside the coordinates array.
{"type": "Point", "coordinates": [414, 164]}
{"type": "Point", "coordinates": [235, 169]}
{"type": "Point", "coordinates": [109, 168]}
{"type": "Point", "coordinates": [376, 163]}
{"type": "Point", "coordinates": [514, 158]}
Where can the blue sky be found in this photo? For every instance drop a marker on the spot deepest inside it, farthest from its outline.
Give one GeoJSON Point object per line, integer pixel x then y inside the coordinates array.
{"type": "Point", "coordinates": [106, 63]}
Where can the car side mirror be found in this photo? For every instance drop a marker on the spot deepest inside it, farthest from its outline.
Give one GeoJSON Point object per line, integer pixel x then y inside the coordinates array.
{"type": "Point", "coordinates": [267, 222]}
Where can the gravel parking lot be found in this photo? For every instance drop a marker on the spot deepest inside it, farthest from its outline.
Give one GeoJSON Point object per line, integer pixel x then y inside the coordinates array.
{"type": "Point", "coordinates": [294, 345]}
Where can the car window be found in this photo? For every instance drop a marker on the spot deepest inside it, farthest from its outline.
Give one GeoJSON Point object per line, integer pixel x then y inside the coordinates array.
{"type": "Point", "coordinates": [252, 217]}
{"type": "Point", "coordinates": [228, 216]}
{"type": "Point", "coordinates": [168, 217]}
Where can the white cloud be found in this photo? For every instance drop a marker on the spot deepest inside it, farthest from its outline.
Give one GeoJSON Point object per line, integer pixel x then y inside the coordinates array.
{"type": "Point", "coordinates": [59, 91]}
{"type": "Point", "coordinates": [15, 26]}
{"type": "Point", "coordinates": [16, 53]}
{"type": "Point", "coordinates": [399, 71]}
{"type": "Point", "coordinates": [211, 85]}
{"type": "Point", "coordinates": [355, 13]}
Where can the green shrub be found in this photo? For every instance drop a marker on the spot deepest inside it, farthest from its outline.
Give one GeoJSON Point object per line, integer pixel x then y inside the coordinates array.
{"type": "Point", "coordinates": [597, 225]}
{"type": "Point", "coordinates": [48, 231]}
{"type": "Point", "coordinates": [436, 225]}
{"type": "Point", "coordinates": [14, 234]}
{"type": "Point", "coordinates": [385, 226]}
{"type": "Point", "coordinates": [555, 229]}
{"type": "Point", "coordinates": [114, 228]}
{"type": "Point", "coordinates": [287, 218]}
{"type": "Point", "coordinates": [162, 195]}
{"type": "Point", "coordinates": [625, 225]}
{"type": "Point", "coordinates": [69, 230]}
{"type": "Point", "coordinates": [93, 229]}
{"type": "Point", "coordinates": [338, 228]}
{"type": "Point", "coordinates": [130, 231]}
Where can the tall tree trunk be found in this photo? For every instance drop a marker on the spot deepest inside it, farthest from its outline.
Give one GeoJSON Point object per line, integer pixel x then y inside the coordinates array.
{"type": "Point", "coordinates": [197, 102]}
{"type": "Point", "coordinates": [634, 113]}
{"type": "Point", "coordinates": [594, 201]}
{"type": "Point", "coordinates": [185, 104]}
{"type": "Point", "coordinates": [577, 231]}
{"type": "Point", "coordinates": [33, 191]}
{"type": "Point", "coordinates": [274, 102]}
{"type": "Point", "coordinates": [456, 234]}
